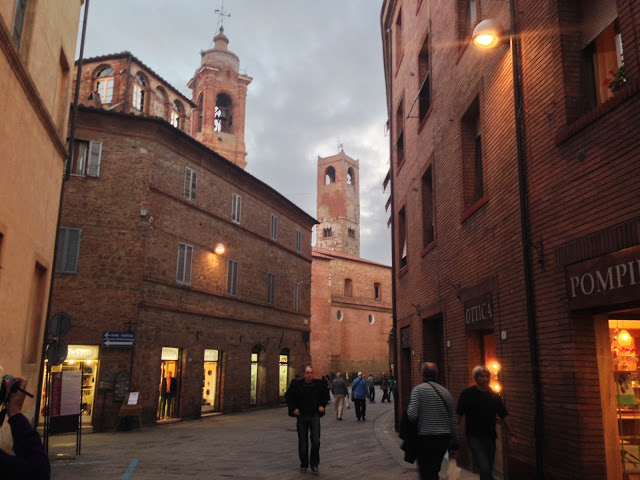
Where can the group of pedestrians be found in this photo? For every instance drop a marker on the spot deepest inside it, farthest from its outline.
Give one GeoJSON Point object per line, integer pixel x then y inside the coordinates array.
{"type": "Point", "coordinates": [429, 426]}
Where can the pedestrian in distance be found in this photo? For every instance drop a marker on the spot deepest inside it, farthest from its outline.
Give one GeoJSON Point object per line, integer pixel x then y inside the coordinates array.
{"type": "Point", "coordinates": [479, 406]}
{"type": "Point", "coordinates": [340, 391]}
{"type": "Point", "coordinates": [384, 387]}
{"type": "Point", "coordinates": [431, 407]}
{"type": "Point", "coordinates": [372, 388]}
{"type": "Point", "coordinates": [359, 394]}
{"type": "Point", "coordinates": [392, 383]}
{"type": "Point", "coordinates": [30, 460]}
{"type": "Point", "coordinates": [307, 399]}
{"type": "Point", "coordinates": [169, 389]}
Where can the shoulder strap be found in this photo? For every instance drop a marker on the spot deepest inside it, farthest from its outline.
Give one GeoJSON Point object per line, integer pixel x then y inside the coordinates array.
{"type": "Point", "coordinates": [442, 399]}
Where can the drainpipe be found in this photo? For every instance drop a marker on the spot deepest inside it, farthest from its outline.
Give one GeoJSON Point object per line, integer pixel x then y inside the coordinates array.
{"type": "Point", "coordinates": [516, 60]}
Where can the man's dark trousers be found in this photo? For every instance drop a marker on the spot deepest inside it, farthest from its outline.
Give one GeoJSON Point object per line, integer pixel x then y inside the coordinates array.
{"type": "Point", "coordinates": [361, 407]}
{"type": "Point", "coordinates": [308, 425]}
{"type": "Point", "coordinates": [431, 450]}
{"type": "Point", "coordinates": [483, 450]}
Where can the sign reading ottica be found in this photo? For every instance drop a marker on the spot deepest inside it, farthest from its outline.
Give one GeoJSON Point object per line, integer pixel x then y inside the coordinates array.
{"type": "Point", "coordinates": [478, 312]}
{"type": "Point", "coordinates": [608, 280]}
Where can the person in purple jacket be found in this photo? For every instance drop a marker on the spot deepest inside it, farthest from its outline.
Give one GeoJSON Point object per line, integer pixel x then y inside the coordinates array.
{"type": "Point", "coordinates": [30, 460]}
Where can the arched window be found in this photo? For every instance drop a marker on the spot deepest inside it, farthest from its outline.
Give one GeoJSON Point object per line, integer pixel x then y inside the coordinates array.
{"type": "Point", "coordinates": [138, 92]}
{"type": "Point", "coordinates": [199, 120]}
{"type": "Point", "coordinates": [104, 84]}
{"type": "Point", "coordinates": [176, 114]}
{"type": "Point", "coordinates": [223, 114]}
{"type": "Point", "coordinates": [329, 175]}
{"type": "Point", "coordinates": [351, 177]}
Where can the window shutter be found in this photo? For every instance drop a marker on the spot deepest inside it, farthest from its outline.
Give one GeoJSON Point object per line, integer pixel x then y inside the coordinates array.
{"type": "Point", "coordinates": [187, 264]}
{"type": "Point", "coordinates": [95, 155]}
{"type": "Point", "coordinates": [194, 184]}
{"type": "Point", "coordinates": [180, 269]}
{"type": "Point", "coordinates": [187, 182]}
{"type": "Point", "coordinates": [62, 239]}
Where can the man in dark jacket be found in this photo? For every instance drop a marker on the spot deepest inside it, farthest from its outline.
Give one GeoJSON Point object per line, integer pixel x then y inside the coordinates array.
{"type": "Point", "coordinates": [169, 389]}
{"type": "Point", "coordinates": [30, 460]}
{"type": "Point", "coordinates": [307, 399]}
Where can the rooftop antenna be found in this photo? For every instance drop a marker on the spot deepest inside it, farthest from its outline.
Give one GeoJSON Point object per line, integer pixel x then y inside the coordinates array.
{"type": "Point", "coordinates": [221, 14]}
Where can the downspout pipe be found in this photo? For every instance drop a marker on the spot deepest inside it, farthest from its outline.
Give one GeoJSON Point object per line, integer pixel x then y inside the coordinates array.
{"type": "Point", "coordinates": [525, 225]}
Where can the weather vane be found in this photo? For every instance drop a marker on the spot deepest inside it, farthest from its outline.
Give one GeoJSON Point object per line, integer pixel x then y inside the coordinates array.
{"type": "Point", "coordinates": [339, 145]}
{"type": "Point", "coordinates": [221, 14]}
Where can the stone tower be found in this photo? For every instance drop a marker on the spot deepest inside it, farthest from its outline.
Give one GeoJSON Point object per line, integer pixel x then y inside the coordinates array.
{"type": "Point", "coordinates": [220, 91]}
{"type": "Point", "coordinates": [339, 204]}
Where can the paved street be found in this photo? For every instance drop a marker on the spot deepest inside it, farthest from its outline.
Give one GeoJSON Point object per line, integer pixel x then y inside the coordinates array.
{"type": "Point", "coordinates": [259, 445]}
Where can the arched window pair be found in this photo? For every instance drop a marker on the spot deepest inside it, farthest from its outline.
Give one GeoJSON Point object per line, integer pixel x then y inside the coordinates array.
{"type": "Point", "coordinates": [223, 118]}
{"type": "Point", "coordinates": [330, 176]}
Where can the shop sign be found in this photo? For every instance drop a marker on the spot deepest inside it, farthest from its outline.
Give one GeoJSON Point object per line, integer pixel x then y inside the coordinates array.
{"type": "Point", "coordinates": [607, 280]}
{"type": "Point", "coordinates": [209, 355]}
{"type": "Point", "coordinates": [118, 339]}
{"type": "Point", "coordinates": [170, 353]}
{"type": "Point", "coordinates": [478, 312]}
{"type": "Point", "coordinates": [82, 352]}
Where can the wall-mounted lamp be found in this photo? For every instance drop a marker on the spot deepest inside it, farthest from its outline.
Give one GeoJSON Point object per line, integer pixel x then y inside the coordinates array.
{"type": "Point", "coordinates": [488, 34]}
{"type": "Point", "coordinates": [219, 250]}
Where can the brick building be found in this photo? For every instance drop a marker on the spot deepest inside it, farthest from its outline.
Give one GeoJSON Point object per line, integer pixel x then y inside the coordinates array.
{"type": "Point", "coordinates": [351, 297]}
{"type": "Point", "coordinates": [166, 242]}
{"type": "Point", "coordinates": [37, 44]}
{"type": "Point", "coordinates": [516, 237]}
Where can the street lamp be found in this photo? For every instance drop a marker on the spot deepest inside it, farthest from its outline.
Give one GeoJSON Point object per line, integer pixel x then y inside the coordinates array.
{"type": "Point", "coordinates": [489, 34]}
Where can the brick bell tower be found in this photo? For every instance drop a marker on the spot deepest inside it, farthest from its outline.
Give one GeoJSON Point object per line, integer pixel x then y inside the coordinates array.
{"type": "Point", "coordinates": [339, 204]}
{"type": "Point", "coordinates": [220, 91]}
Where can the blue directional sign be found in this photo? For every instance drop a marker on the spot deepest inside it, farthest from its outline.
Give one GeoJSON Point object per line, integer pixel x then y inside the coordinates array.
{"type": "Point", "coordinates": [118, 339]}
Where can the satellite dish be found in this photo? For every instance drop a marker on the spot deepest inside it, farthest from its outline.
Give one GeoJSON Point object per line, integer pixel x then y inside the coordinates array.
{"type": "Point", "coordinates": [57, 352]}
{"type": "Point", "coordinates": [60, 324]}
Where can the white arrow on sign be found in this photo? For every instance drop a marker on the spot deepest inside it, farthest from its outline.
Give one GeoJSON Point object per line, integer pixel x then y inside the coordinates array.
{"type": "Point", "coordinates": [118, 343]}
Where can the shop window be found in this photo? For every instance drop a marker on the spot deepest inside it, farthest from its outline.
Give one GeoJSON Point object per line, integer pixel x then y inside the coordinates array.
{"type": "Point", "coordinates": [139, 90]}
{"type": "Point", "coordinates": [402, 238]}
{"type": "Point", "coordinates": [86, 158]}
{"type": "Point", "coordinates": [258, 376]}
{"type": "Point", "coordinates": [183, 270]}
{"type": "Point", "coordinates": [472, 172]}
{"type": "Point", "coordinates": [424, 77]}
{"type": "Point", "coordinates": [104, 84]}
{"type": "Point", "coordinates": [283, 374]}
{"type": "Point", "coordinates": [271, 288]}
{"type": "Point", "coordinates": [232, 278]}
{"type": "Point", "coordinates": [400, 134]}
{"type": "Point", "coordinates": [427, 208]}
{"type": "Point", "coordinates": [236, 207]}
{"type": "Point", "coordinates": [211, 381]}
{"type": "Point", "coordinates": [68, 250]}
{"type": "Point", "coordinates": [329, 176]}
{"type": "Point", "coordinates": [190, 184]}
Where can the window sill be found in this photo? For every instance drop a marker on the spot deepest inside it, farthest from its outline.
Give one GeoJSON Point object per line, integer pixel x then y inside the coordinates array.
{"type": "Point", "coordinates": [474, 208]}
{"type": "Point", "coordinates": [429, 247]}
{"type": "Point", "coordinates": [629, 90]}
{"type": "Point", "coordinates": [403, 271]}
{"type": "Point", "coordinates": [399, 64]}
{"type": "Point", "coordinates": [424, 120]}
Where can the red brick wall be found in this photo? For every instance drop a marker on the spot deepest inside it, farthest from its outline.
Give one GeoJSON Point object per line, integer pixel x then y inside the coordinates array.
{"type": "Point", "coordinates": [581, 179]}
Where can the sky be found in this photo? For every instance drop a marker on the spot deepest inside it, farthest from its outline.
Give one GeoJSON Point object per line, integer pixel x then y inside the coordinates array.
{"type": "Point", "coordinates": [318, 81]}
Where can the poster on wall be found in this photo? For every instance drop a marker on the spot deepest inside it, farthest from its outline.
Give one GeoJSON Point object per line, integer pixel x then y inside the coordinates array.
{"type": "Point", "coordinates": [66, 393]}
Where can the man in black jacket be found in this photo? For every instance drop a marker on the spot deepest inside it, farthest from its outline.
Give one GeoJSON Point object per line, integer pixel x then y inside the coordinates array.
{"type": "Point", "coordinates": [307, 399]}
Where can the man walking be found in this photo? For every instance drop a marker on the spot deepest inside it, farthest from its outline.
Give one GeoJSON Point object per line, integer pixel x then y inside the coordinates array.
{"type": "Point", "coordinates": [431, 406]}
{"type": "Point", "coordinates": [340, 391]}
{"type": "Point", "coordinates": [307, 399]}
{"type": "Point", "coordinates": [372, 388]}
{"type": "Point", "coordinates": [360, 393]}
{"type": "Point", "coordinates": [480, 405]}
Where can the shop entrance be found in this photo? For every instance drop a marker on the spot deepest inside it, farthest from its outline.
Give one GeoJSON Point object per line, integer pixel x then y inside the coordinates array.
{"type": "Point", "coordinates": [169, 398]}
{"type": "Point", "coordinates": [211, 381]}
{"type": "Point", "coordinates": [257, 376]}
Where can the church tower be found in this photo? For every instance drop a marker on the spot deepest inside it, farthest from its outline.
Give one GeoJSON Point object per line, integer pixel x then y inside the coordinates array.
{"type": "Point", "coordinates": [220, 91]}
{"type": "Point", "coordinates": [339, 204]}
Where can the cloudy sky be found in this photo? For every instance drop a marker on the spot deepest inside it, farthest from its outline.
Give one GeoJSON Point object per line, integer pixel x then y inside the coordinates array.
{"type": "Point", "coordinates": [317, 81]}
